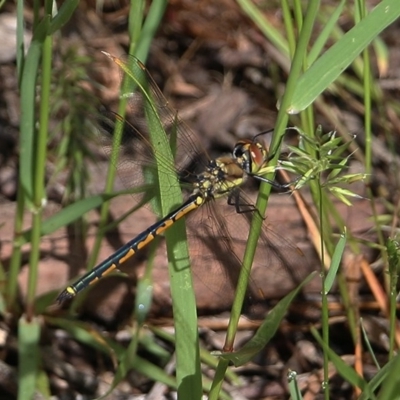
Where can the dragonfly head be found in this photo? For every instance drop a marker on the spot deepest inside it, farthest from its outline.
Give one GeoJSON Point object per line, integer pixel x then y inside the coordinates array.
{"type": "Point", "coordinates": [251, 156]}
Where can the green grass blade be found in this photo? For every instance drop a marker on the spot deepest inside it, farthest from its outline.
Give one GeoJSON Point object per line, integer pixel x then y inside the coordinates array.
{"type": "Point", "coordinates": [29, 357]}
{"type": "Point", "coordinates": [85, 334]}
{"type": "Point", "coordinates": [369, 345]}
{"type": "Point", "coordinates": [27, 72]}
{"type": "Point", "coordinates": [323, 37]}
{"type": "Point", "coordinates": [150, 26]}
{"type": "Point", "coordinates": [393, 253]}
{"type": "Point", "coordinates": [335, 263]}
{"type": "Point", "coordinates": [388, 370]}
{"type": "Point", "coordinates": [38, 176]}
{"type": "Point", "coordinates": [20, 38]}
{"type": "Point", "coordinates": [183, 300]}
{"type": "Point", "coordinates": [28, 93]}
{"type": "Point", "coordinates": [63, 15]}
{"type": "Point", "coordinates": [347, 372]}
{"type": "Point", "coordinates": [266, 331]}
{"type": "Point", "coordinates": [294, 389]}
{"type": "Point", "coordinates": [331, 64]}
{"type": "Point", "coordinates": [69, 214]}
{"type": "Point", "coordinates": [265, 27]}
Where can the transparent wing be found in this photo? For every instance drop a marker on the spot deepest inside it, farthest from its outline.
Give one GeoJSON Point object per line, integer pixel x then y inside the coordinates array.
{"type": "Point", "coordinates": [218, 237]}
{"type": "Point", "coordinates": [137, 154]}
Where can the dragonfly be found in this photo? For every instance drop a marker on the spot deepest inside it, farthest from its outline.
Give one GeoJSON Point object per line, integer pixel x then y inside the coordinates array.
{"type": "Point", "coordinates": [207, 179]}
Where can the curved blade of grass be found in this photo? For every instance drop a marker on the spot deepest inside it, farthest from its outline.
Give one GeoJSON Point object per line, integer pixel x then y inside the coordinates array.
{"type": "Point", "coordinates": [368, 345]}
{"type": "Point", "coordinates": [150, 26]}
{"type": "Point", "coordinates": [266, 331]}
{"type": "Point", "coordinates": [183, 300]}
{"type": "Point", "coordinates": [63, 16]}
{"type": "Point", "coordinates": [139, 364]}
{"type": "Point", "coordinates": [84, 333]}
{"type": "Point", "coordinates": [74, 211]}
{"type": "Point", "coordinates": [332, 63]}
{"type": "Point", "coordinates": [344, 370]}
{"type": "Point", "coordinates": [265, 26]}
{"type": "Point", "coordinates": [384, 377]}
{"type": "Point", "coordinates": [325, 34]}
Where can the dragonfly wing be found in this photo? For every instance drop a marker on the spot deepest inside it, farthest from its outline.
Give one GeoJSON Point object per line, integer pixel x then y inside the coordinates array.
{"type": "Point", "coordinates": [135, 160]}
{"type": "Point", "coordinates": [185, 144]}
{"type": "Point", "coordinates": [218, 242]}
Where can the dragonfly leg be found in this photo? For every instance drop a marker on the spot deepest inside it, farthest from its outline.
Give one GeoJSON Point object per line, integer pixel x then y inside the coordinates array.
{"type": "Point", "coordinates": [276, 185]}
{"type": "Point", "coordinates": [242, 207]}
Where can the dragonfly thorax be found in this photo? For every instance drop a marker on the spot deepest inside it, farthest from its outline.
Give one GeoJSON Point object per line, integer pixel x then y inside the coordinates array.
{"type": "Point", "coordinates": [221, 176]}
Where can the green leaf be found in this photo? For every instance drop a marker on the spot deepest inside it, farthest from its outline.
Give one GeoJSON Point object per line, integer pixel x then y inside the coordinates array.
{"type": "Point", "coordinates": [332, 63]}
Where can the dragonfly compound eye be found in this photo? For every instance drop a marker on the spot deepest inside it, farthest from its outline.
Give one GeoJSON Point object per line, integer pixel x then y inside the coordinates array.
{"type": "Point", "coordinates": [242, 155]}
{"type": "Point", "coordinates": [258, 155]}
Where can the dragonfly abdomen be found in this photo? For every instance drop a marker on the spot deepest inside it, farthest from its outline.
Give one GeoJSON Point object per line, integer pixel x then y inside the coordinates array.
{"type": "Point", "coordinates": [132, 247]}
